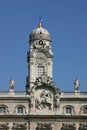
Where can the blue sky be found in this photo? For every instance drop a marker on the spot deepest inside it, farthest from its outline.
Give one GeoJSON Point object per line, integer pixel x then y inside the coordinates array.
{"type": "Point", "coordinates": [66, 20]}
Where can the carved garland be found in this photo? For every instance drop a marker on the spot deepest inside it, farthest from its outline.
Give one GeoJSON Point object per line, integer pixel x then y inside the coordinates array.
{"type": "Point", "coordinates": [68, 127]}
{"type": "Point", "coordinates": [4, 126]}
{"type": "Point", "coordinates": [82, 126]}
{"type": "Point", "coordinates": [44, 126]}
{"type": "Point", "coordinates": [19, 126]}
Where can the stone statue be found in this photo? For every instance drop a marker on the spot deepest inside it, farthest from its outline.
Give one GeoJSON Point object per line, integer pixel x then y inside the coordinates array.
{"type": "Point", "coordinates": [11, 83]}
{"type": "Point", "coordinates": [32, 99]}
{"type": "Point", "coordinates": [31, 96]}
{"type": "Point", "coordinates": [38, 81]}
{"type": "Point", "coordinates": [43, 96]}
{"type": "Point", "coordinates": [76, 84]}
{"type": "Point", "coordinates": [57, 100]}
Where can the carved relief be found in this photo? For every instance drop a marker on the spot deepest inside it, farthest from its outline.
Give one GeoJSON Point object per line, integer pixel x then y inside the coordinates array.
{"type": "Point", "coordinates": [44, 101]}
{"type": "Point", "coordinates": [68, 127]}
{"type": "Point", "coordinates": [44, 79]}
{"type": "Point", "coordinates": [41, 58]}
{"type": "Point", "coordinates": [45, 126]}
{"type": "Point", "coordinates": [31, 97]}
{"type": "Point", "coordinates": [4, 126]}
{"type": "Point", "coordinates": [82, 126]}
{"type": "Point", "coordinates": [19, 126]}
{"type": "Point", "coordinates": [57, 99]}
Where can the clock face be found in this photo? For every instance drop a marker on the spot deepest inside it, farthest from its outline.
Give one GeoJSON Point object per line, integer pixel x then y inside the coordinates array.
{"type": "Point", "coordinates": [41, 58]}
{"type": "Point", "coordinates": [40, 42]}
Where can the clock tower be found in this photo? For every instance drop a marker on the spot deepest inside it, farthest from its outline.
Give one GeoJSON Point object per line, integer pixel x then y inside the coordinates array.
{"type": "Point", "coordinates": [39, 57]}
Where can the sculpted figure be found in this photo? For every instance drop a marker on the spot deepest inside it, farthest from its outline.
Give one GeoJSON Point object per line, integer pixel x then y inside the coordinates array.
{"type": "Point", "coordinates": [11, 84]}
{"type": "Point", "coordinates": [31, 97]}
{"type": "Point", "coordinates": [31, 100]}
{"type": "Point", "coordinates": [76, 84]}
{"type": "Point", "coordinates": [50, 82]}
{"type": "Point", "coordinates": [44, 101]}
{"type": "Point", "coordinates": [43, 96]}
{"type": "Point", "coordinates": [38, 81]}
{"type": "Point", "coordinates": [57, 99]}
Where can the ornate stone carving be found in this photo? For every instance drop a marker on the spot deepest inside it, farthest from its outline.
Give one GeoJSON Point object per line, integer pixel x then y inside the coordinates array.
{"type": "Point", "coordinates": [57, 99]}
{"type": "Point", "coordinates": [50, 82]}
{"type": "Point", "coordinates": [4, 126]}
{"type": "Point", "coordinates": [19, 126]}
{"type": "Point", "coordinates": [44, 101]}
{"type": "Point", "coordinates": [44, 126]}
{"type": "Point", "coordinates": [68, 127]}
{"type": "Point", "coordinates": [31, 97]}
{"type": "Point", "coordinates": [83, 126]}
{"type": "Point", "coordinates": [44, 80]}
{"type": "Point", "coordinates": [41, 58]}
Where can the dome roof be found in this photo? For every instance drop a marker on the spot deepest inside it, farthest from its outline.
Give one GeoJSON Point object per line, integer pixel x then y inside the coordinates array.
{"type": "Point", "coordinates": [40, 33]}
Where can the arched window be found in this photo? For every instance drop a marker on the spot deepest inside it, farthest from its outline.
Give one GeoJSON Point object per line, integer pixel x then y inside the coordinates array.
{"type": "Point", "coordinates": [3, 109]}
{"type": "Point", "coordinates": [83, 109]}
{"type": "Point", "coordinates": [69, 110]}
{"type": "Point", "coordinates": [20, 109]}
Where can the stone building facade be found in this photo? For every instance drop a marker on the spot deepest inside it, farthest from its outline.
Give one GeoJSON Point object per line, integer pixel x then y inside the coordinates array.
{"type": "Point", "coordinates": [42, 106]}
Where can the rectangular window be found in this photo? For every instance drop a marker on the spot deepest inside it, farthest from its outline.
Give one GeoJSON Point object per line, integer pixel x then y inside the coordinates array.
{"type": "Point", "coordinates": [2, 110]}
{"type": "Point", "coordinates": [85, 110]}
{"type": "Point", "coordinates": [68, 110]}
{"type": "Point", "coordinates": [40, 70]}
{"type": "Point", "coordinates": [20, 109]}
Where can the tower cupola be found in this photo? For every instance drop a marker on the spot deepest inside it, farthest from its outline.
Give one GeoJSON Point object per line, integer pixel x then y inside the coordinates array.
{"type": "Point", "coordinates": [40, 33]}
{"type": "Point", "coordinates": [39, 56]}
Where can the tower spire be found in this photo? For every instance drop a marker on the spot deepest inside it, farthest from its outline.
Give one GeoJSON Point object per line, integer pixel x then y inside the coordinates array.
{"type": "Point", "coordinates": [40, 22]}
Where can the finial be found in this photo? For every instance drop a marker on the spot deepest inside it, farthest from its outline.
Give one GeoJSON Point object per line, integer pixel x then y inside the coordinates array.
{"type": "Point", "coordinates": [40, 22]}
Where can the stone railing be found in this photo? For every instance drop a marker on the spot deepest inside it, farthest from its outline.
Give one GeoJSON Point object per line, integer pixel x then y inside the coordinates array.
{"type": "Point", "coordinates": [73, 94]}
{"type": "Point", "coordinates": [13, 94]}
